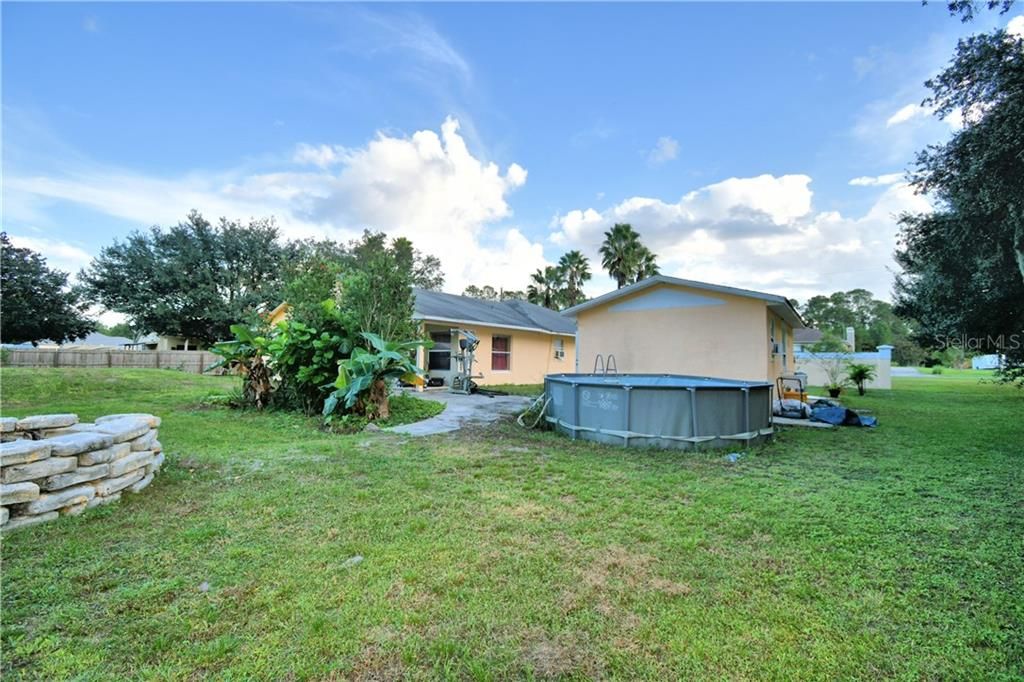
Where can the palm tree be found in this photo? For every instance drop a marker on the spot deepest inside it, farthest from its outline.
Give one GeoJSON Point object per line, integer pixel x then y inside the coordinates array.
{"type": "Point", "coordinates": [618, 252]}
{"type": "Point", "coordinates": [545, 287]}
{"type": "Point", "coordinates": [646, 264]}
{"type": "Point", "coordinates": [576, 271]}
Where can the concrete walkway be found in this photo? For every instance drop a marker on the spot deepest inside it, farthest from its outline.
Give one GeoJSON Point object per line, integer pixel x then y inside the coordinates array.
{"type": "Point", "coordinates": [461, 410]}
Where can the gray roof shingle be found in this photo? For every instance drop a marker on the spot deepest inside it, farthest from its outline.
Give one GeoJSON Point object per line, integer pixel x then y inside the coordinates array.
{"type": "Point", "coordinates": [438, 305]}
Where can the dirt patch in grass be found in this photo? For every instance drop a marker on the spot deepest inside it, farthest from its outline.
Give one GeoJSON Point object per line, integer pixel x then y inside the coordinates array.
{"type": "Point", "coordinates": [617, 568]}
{"type": "Point", "coordinates": [564, 655]}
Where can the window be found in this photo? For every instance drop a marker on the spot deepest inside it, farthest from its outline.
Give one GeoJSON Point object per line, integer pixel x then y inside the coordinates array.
{"type": "Point", "coordinates": [501, 353]}
{"type": "Point", "coordinates": [785, 364]}
{"type": "Point", "coordinates": [559, 349]}
{"type": "Point", "coordinates": [439, 358]}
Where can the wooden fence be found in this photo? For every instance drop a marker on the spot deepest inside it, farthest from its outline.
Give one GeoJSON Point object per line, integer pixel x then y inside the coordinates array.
{"type": "Point", "coordinates": [193, 361]}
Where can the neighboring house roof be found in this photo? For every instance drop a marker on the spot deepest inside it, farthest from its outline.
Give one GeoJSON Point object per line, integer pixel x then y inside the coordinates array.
{"type": "Point", "coordinates": [435, 305]}
{"type": "Point", "coordinates": [93, 340]}
{"type": "Point", "coordinates": [778, 304]}
{"type": "Point", "coordinates": [807, 335]}
{"type": "Point", "coordinates": [97, 339]}
{"type": "Point", "coordinates": [148, 339]}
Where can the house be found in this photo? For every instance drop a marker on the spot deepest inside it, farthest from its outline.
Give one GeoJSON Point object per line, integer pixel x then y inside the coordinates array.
{"type": "Point", "coordinates": [519, 342]}
{"type": "Point", "coordinates": [160, 342]}
{"type": "Point", "coordinates": [804, 339]}
{"type": "Point", "coordinates": [991, 361]}
{"type": "Point", "coordinates": [665, 325]}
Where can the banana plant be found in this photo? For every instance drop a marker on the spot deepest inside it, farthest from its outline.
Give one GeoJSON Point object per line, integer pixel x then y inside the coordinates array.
{"type": "Point", "coordinates": [362, 383]}
{"type": "Point", "coordinates": [247, 355]}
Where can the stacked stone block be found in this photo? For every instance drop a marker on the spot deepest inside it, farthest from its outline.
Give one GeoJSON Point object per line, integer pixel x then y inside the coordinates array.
{"type": "Point", "coordinates": [52, 465]}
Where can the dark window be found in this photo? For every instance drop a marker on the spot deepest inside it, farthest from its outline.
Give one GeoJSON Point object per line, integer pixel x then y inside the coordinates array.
{"type": "Point", "coordinates": [501, 353]}
{"type": "Point", "coordinates": [440, 356]}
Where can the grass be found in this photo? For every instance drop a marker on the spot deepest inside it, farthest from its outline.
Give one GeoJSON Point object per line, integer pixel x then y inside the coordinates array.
{"type": "Point", "coordinates": [406, 409]}
{"type": "Point", "coordinates": [528, 390]}
{"type": "Point", "coordinates": [500, 553]}
{"type": "Point", "coordinates": [976, 374]}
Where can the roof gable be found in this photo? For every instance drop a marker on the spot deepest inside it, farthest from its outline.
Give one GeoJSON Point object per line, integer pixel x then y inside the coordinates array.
{"type": "Point", "coordinates": [780, 305]}
{"type": "Point", "coordinates": [665, 298]}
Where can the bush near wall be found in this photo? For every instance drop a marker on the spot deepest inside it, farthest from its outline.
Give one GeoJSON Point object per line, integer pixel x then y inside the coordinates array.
{"type": "Point", "coordinates": [52, 465]}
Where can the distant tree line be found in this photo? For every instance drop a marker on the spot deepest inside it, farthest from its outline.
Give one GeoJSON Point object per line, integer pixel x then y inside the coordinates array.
{"type": "Point", "coordinates": [560, 286]}
{"type": "Point", "coordinates": [874, 323]}
{"type": "Point", "coordinates": [197, 278]}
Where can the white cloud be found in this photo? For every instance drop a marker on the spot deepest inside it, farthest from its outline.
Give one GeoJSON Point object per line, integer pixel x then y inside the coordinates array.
{"type": "Point", "coordinates": [907, 113]}
{"type": "Point", "coordinates": [759, 233]}
{"type": "Point", "coordinates": [428, 187]}
{"type": "Point", "coordinates": [322, 156]}
{"type": "Point", "coordinates": [412, 32]}
{"type": "Point", "coordinates": [60, 255]}
{"type": "Point", "coordinates": [877, 180]}
{"type": "Point", "coordinates": [665, 149]}
{"type": "Point", "coordinates": [1015, 26]}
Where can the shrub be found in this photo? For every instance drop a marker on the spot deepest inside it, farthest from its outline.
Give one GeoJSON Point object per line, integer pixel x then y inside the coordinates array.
{"type": "Point", "coordinates": [305, 359]}
{"type": "Point", "coordinates": [859, 375]}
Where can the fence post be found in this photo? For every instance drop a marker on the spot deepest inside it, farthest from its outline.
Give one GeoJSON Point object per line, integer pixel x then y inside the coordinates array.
{"type": "Point", "coordinates": [110, 359]}
{"type": "Point", "coordinates": [56, 358]}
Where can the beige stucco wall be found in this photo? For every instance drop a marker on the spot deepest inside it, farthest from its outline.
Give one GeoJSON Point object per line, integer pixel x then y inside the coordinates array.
{"type": "Point", "coordinates": [782, 362]}
{"type": "Point", "coordinates": [817, 375]}
{"type": "Point", "coordinates": [533, 354]}
{"type": "Point", "coordinates": [730, 340]}
{"type": "Point", "coordinates": [170, 342]}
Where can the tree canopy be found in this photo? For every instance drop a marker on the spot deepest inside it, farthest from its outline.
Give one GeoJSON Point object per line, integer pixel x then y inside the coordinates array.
{"type": "Point", "coordinates": [625, 258]}
{"type": "Point", "coordinates": [874, 322]}
{"type": "Point", "coordinates": [376, 289]}
{"type": "Point", "coordinates": [36, 302]}
{"type": "Point", "coordinates": [546, 287]}
{"type": "Point", "coordinates": [963, 263]}
{"type": "Point", "coordinates": [194, 279]}
{"type": "Point", "coordinates": [489, 293]}
{"type": "Point", "coordinates": [575, 270]}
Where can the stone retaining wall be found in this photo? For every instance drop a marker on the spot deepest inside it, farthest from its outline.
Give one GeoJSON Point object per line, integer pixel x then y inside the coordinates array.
{"type": "Point", "coordinates": [51, 465]}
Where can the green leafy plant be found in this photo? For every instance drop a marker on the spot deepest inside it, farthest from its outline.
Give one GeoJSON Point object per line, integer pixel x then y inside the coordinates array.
{"type": "Point", "coordinates": [247, 354]}
{"type": "Point", "coordinates": [306, 358]}
{"type": "Point", "coordinates": [362, 382]}
{"type": "Point", "coordinates": [860, 374]}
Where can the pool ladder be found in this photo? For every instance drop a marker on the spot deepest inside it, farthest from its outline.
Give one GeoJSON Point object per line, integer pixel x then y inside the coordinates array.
{"type": "Point", "coordinates": [602, 367]}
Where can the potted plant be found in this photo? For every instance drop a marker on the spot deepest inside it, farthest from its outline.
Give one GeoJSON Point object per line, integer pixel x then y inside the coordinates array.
{"type": "Point", "coordinates": [859, 375]}
{"type": "Point", "coordinates": [834, 365]}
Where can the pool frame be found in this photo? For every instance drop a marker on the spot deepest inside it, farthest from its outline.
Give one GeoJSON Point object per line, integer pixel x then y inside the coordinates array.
{"type": "Point", "coordinates": [753, 402]}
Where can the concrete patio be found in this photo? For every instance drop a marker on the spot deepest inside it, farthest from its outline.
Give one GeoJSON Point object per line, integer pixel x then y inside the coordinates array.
{"type": "Point", "coordinates": [462, 410]}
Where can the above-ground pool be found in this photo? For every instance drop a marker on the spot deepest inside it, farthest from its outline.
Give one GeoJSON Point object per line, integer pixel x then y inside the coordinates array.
{"type": "Point", "coordinates": [663, 410]}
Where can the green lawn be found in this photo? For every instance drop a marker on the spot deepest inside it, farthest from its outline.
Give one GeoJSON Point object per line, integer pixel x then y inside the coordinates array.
{"type": "Point", "coordinates": [529, 390]}
{"type": "Point", "coordinates": [501, 553]}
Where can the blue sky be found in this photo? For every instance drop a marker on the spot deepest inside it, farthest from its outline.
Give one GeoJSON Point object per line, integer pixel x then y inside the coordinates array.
{"type": "Point", "coordinates": [495, 136]}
